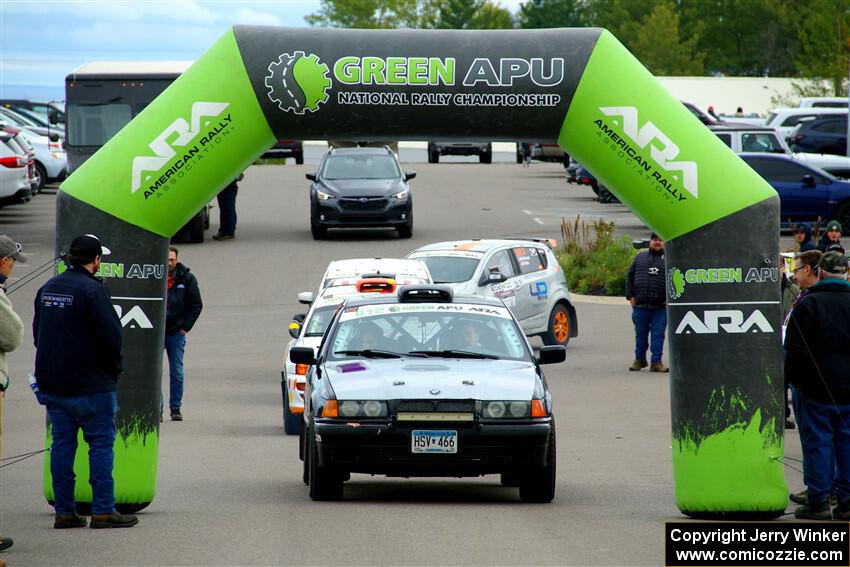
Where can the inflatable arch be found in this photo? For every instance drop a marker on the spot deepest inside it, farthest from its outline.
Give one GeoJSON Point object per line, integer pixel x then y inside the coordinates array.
{"type": "Point", "coordinates": [580, 87]}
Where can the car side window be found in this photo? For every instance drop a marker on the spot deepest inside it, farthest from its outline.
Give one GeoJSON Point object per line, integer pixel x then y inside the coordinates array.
{"type": "Point", "coordinates": [781, 170]}
{"type": "Point", "coordinates": [501, 260]}
{"type": "Point", "coordinates": [831, 126]}
{"type": "Point", "coordinates": [759, 142]}
{"type": "Point", "coordinates": [726, 139]}
{"type": "Point", "coordinates": [529, 259]}
{"type": "Point", "coordinates": [796, 119]}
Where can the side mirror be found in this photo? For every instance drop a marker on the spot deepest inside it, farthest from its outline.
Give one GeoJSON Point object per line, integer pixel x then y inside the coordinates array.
{"type": "Point", "coordinates": [294, 329]}
{"type": "Point", "coordinates": [311, 176]}
{"type": "Point", "coordinates": [408, 175]}
{"type": "Point", "coordinates": [303, 355]}
{"type": "Point", "coordinates": [808, 181]}
{"type": "Point", "coordinates": [54, 137]}
{"type": "Point", "coordinates": [494, 276]}
{"type": "Point", "coordinates": [305, 297]}
{"type": "Point", "coordinates": [53, 118]}
{"type": "Point", "coordinates": [552, 354]}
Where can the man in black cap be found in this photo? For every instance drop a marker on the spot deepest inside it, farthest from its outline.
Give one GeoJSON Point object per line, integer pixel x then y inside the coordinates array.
{"type": "Point", "coordinates": [11, 329]}
{"type": "Point", "coordinates": [817, 363]}
{"type": "Point", "coordinates": [646, 290]}
{"type": "Point", "coordinates": [77, 363]}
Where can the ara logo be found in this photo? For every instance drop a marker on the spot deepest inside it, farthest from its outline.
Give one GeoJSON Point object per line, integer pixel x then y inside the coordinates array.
{"type": "Point", "coordinates": [664, 151]}
{"type": "Point", "coordinates": [724, 320]}
{"type": "Point", "coordinates": [298, 82]}
{"type": "Point", "coordinates": [134, 318]}
{"type": "Point", "coordinates": [181, 134]}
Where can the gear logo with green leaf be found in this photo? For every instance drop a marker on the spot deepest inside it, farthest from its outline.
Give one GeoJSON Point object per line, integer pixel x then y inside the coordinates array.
{"type": "Point", "coordinates": [298, 82]}
{"type": "Point", "coordinates": [676, 283]}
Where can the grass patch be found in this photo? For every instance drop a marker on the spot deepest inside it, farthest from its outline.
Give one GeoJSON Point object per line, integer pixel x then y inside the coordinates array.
{"type": "Point", "coordinates": [594, 262]}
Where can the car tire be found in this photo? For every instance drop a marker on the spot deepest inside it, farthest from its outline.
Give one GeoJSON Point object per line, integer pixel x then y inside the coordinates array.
{"type": "Point", "coordinates": [319, 233]}
{"type": "Point", "coordinates": [305, 475]}
{"type": "Point", "coordinates": [41, 177]}
{"type": "Point", "coordinates": [195, 228]}
{"type": "Point", "coordinates": [485, 158]}
{"type": "Point", "coordinates": [291, 421]}
{"type": "Point", "coordinates": [560, 326]}
{"type": "Point", "coordinates": [539, 486]}
{"type": "Point", "coordinates": [519, 157]}
{"type": "Point", "coordinates": [405, 231]}
{"type": "Point", "coordinates": [325, 484]}
{"type": "Point", "coordinates": [299, 159]}
{"type": "Point", "coordinates": [510, 479]}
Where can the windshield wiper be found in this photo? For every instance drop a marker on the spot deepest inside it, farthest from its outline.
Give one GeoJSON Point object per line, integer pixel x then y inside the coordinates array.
{"type": "Point", "coordinates": [370, 353]}
{"type": "Point", "coordinates": [453, 354]}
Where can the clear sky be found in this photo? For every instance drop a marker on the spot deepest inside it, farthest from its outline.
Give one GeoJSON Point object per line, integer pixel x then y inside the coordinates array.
{"type": "Point", "coordinates": [41, 41]}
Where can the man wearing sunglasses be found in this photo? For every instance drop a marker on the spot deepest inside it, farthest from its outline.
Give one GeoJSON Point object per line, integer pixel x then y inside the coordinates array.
{"type": "Point", "coordinates": [11, 329]}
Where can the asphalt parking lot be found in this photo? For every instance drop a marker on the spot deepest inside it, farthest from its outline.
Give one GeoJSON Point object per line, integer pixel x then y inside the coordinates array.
{"type": "Point", "coordinates": [229, 481]}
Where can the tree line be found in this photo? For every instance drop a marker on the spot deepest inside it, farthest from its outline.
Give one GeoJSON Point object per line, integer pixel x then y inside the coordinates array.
{"type": "Point", "coordinates": [779, 38]}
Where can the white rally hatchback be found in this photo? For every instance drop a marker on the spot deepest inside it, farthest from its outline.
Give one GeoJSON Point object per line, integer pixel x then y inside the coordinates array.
{"type": "Point", "coordinates": [523, 273]}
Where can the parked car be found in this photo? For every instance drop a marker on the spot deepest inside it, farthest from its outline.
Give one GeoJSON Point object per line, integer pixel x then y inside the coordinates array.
{"type": "Point", "coordinates": [523, 273]}
{"type": "Point", "coordinates": [348, 271]}
{"type": "Point", "coordinates": [785, 119]}
{"type": "Point", "coordinates": [14, 175]}
{"type": "Point", "coordinates": [51, 163]}
{"type": "Point", "coordinates": [742, 138]}
{"type": "Point", "coordinates": [603, 195]}
{"type": "Point", "coordinates": [824, 102]}
{"type": "Point", "coordinates": [824, 135]}
{"type": "Point", "coordinates": [34, 125]}
{"type": "Point", "coordinates": [285, 149]}
{"type": "Point", "coordinates": [807, 193]}
{"type": "Point", "coordinates": [53, 112]}
{"type": "Point", "coordinates": [541, 152]}
{"type": "Point", "coordinates": [22, 147]}
{"type": "Point", "coordinates": [484, 150]}
{"type": "Point", "coordinates": [360, 187]}
{"type": "Point", "coordinates": [425, 383]}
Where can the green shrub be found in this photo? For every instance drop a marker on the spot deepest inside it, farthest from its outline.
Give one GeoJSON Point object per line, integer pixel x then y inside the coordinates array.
{"type": "Point", "coordinates": [594, 262]}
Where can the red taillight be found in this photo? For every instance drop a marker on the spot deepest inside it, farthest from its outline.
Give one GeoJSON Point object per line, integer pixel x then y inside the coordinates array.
{"type": "Point", "coordinates": [13, 162]}
{"type": "Point", "coordinates": [796, 138]}
{"type": "Point", "coordinates": [584, 180]}
{"type": "Point", "coordinates": [300, 386]}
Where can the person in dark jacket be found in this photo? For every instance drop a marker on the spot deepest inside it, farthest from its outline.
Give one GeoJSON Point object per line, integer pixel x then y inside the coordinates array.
{"type": "Point", "coordinates": [803, 236]}
{"type": "Point", "coordinates": [831, 237]}
{"type": "Point", "coordinates": [182, 310]}
{"type": "Point", "coordinates": [77, 364]}
{"type": "Point", "coordinates": [817, 363]}
{"type": "Point", "coordinates": [646, 290]}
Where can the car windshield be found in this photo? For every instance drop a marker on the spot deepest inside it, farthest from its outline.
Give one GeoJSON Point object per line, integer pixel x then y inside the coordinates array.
{"type": "Point", "coordinates": [360, 167]}
{"type": "Point", "coordinates": [33, 117]}
{"type": "Point", "coordinates": [319, 320]}
{"type": "Point", "coordinates": [427, 330]}
{"type": "Point", "coordinates": [450, 269]}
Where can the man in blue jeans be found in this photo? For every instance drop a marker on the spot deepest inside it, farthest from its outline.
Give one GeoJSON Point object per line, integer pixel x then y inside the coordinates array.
{"type": "Point", "coordinates": [817, 363]}
{"type": "Point", "coordinates": [646, 290]}
{"type": "Point", "coordinates": [77, 363]}
{"type": "Point", "coordinates": [182, 309]}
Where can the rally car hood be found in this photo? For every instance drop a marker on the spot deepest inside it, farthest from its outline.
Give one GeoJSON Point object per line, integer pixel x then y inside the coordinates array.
{"type": "Point", "coordinates": [414, 378]}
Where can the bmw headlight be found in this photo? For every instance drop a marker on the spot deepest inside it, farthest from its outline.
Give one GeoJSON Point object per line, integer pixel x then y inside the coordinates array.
{"type": "Point", "coordinates": [323, 196]}
{"type": "Point", "coordinates": [402, 195]}
{"type": "Point", "coordinates": [367, 408]}
{"type": "Point", "coordinates": [513, 409]}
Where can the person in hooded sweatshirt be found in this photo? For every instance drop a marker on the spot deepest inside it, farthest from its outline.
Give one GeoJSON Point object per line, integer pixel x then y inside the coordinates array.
{"type": "Point", "coordinates": [803, 236]}
{"type": "Point", "coordinates": [831, 237]}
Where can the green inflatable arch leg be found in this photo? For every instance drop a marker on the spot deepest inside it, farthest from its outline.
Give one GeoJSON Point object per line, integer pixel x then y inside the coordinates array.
{"type": "Point", "coordinates": [577, 86]}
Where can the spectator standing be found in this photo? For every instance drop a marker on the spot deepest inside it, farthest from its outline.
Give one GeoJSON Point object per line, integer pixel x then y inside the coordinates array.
{"type": "Point", "coordinates": [739, 112]}
{"type": "Point", "coordinates": [11, 330]}
{"type": "Point", "coordinates": [182, 310]}
{"type": "Point", "coordinates": [77, 364]}
{"type": "Point", "coordinates": [227, 210]}
{"type": "Point", "coordinates": [831, 236]}
{"type": "Point", "coordinates": [803, 236]}
{"type": "Point", "coordinates": [646, 292]}
{"type": "Point", "coordinates": [712, 113]}
{"type": "Point", "coordinates": [817, 363]}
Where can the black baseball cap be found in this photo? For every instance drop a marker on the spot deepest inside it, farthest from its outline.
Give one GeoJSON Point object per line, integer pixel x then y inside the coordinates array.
{"type": "Point", "coordinates": [87, 247]}
{"type": "Point", "coordinates": [834, 263]}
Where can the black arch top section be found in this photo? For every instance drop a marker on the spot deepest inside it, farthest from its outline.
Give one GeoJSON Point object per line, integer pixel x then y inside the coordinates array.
{"type": "Point", "coordinates": [422, 110]}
